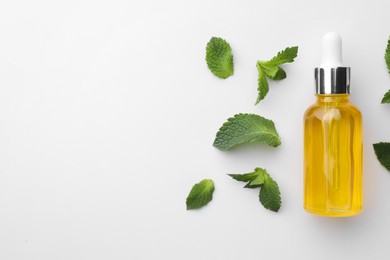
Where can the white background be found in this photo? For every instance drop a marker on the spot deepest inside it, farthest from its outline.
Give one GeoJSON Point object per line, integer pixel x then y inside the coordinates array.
{"type": "Point", "coordinates": [108, 114]}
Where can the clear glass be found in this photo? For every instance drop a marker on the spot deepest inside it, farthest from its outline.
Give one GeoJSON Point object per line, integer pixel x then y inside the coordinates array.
{"type": "Point", "coordinates": [333, 150]}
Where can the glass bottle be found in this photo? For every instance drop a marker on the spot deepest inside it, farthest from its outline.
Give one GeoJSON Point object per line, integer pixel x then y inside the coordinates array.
{"type": "Point", "coordinates": [333, 140]}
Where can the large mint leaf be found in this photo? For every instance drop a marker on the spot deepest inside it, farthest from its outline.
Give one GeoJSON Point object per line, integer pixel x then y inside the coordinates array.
{"type": "Point", "coordinates": [246, 128]}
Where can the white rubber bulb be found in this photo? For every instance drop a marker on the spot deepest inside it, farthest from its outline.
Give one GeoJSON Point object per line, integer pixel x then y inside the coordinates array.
{"type": "Point", "coordinates": [331, 50]}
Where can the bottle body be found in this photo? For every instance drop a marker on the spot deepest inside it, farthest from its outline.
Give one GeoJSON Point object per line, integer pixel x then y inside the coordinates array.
{"type": "Point", "coordinates": [333, 157]}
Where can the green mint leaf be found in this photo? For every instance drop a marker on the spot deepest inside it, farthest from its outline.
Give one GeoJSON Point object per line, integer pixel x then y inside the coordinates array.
{"type": "Point", "coordinates": [286, 56]}
{"type": "Point", "coordinates": [272, 70]}
{"type": "Point", "coordinates": [200, 194]}
{"type": "Point", "coordinates": [269, 195]}
{"type": "Point", "coordinates": [254, 179]}
{"type": "Point", "coordinates": [244, 177]}
{"type": "Point", "coordinates": [387, 55]}
{"type": "Point", "coordinates": [219, 57]}
{"type": "Point", "coordinates": [268, 69]}
{"type": "Point", "coordinates": [258, 181]}
{"type": "Point", "coordinates": [251, 186]}
{"type": "Point", "coordinates": [280, 74]}
{"type": "Point", "coordinates": [262, 87]}
{"type": "Point", "coordinates": [386, 98]}
{"type": "Point", "coordinates": [255, 183]}
{"type": "Point", "coordinates": [246, 128]}
{"type": "Point", "coordinates": [382, 151]}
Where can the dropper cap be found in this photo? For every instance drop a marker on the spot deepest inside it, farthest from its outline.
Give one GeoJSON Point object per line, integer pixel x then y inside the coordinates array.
{"type": "Point", "coordinates": [332, 77]}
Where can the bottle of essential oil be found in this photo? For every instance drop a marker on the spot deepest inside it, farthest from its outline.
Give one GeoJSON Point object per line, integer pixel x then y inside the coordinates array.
{"type": "Point", "coordinates": [333, 140]}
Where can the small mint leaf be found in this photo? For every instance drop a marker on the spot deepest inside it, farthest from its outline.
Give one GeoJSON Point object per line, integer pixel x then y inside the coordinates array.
{"type": "Point", "coordinates": [387, 55]}
{"type": "Point", "coordinates": [244, 177]}
{"type": "Point", "coordinates": [272, 70]}
{"type": "Point", "coordinates": [254, 179]}
{"type": "Point", "coordinates": [382, 151]}
{"type": "Point", "coordinates": [386, 98]}
{"type": "Point", "coordinates": [200, 194]}
{"type": "Point", "coordinates": [286, 56]}
{"type": "Point", "coordinates": [259, 180]}
{"type": "Point", "coordinates": [269, 195]}
{"type": "Point", "coordinates": [262, 86]}
{"type": "Point", "coordinates": [219, 57]}
{"type": "Point", "coordinates": [280, 74]}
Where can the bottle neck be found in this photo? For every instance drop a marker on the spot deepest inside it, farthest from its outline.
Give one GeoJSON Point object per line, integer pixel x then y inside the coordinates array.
{"type": "Point", "coordinates": [332, 99]}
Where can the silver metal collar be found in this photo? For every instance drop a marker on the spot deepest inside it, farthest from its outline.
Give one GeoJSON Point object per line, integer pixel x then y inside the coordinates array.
{"type": "Point", "coordinates": [332, 80]}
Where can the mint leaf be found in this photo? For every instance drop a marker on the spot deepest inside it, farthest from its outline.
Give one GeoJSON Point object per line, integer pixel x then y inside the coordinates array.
{"type": "Point", "coordinates": [219, 57]}
{"type": "Point", "coordinates": [246, 128]}
{"type": "Point", "coordinates": [387, 55]}
{"type": "Point", "coordinates": [254, 179]}
{"type": "Point", "coordinates": [386, 98]}
{"type": "Point", "coordinates": [268, 69]}
{"type": "Point", "coordinates": [286, 56]}
{"type": "Point", "coordinates": [280, 74]}
{"type": "Point", "coordinates": [256, 182]}
{"type": "Point", "coordinates": [272, 70]}
{"type": "Point", "coordinates": [200, 194]}
{"type": "Point", "coordinates": [244, 177]}
{"type": "Point", "coordinates": [382, 151]}
{"type": "Point", "coordinates": [262, 88]}
{"type": "Point", "coordinates": [269, 195]}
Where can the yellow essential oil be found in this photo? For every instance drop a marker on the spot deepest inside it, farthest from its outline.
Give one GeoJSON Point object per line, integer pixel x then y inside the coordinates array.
{"type": "Point", "coordinates": [333, 157]}
{"type": "Point", "coordinates": [333, 142]}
